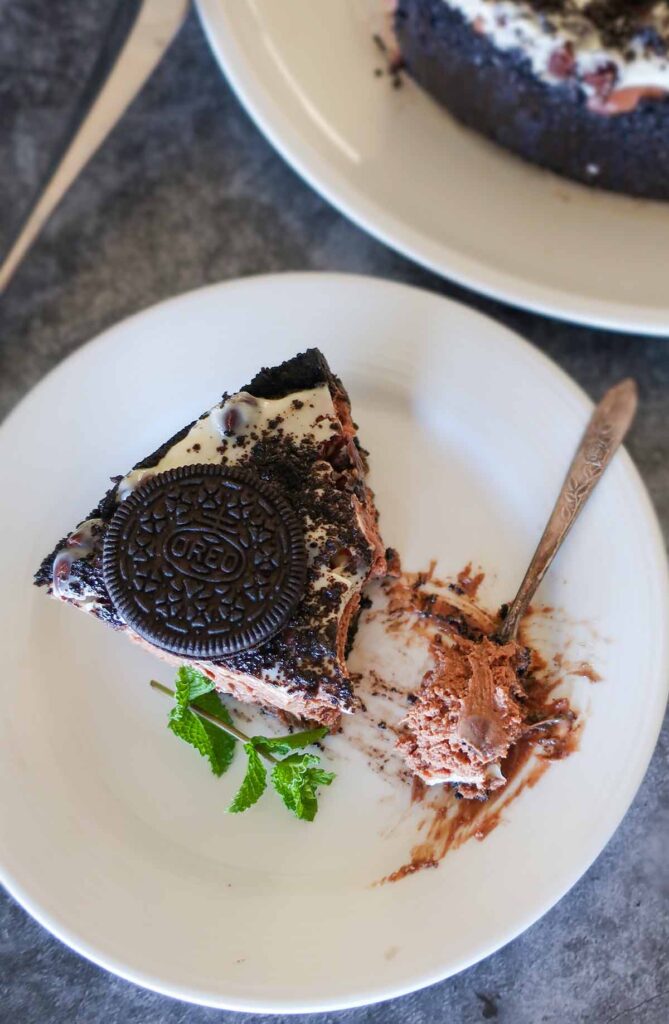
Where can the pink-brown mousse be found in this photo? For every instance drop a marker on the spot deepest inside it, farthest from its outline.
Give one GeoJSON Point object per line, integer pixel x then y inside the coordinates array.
{"type": "Point", "coordinates": [622, 101]}
{"type": "Point", "coordinates": [467, 714]}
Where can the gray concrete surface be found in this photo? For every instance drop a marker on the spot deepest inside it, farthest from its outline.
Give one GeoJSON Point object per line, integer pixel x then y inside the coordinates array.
{"type": "Point", "coordinates": [187, 191]}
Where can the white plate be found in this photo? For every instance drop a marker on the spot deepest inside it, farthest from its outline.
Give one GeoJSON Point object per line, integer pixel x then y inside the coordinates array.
{"type": "Point", "coordinates": [399, 166]}
{"type": "Point", "coordinates": [114, 834]}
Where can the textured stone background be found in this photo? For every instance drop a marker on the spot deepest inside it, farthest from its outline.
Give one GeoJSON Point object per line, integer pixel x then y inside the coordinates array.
{"type": "Point", "coordinates": [186, 191]}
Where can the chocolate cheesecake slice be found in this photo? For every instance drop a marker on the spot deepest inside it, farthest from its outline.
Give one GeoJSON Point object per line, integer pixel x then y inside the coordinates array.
{"type": "Point", "coordinates": [580, 87]}
{"type": "Point", "coordinates": [241, 545]}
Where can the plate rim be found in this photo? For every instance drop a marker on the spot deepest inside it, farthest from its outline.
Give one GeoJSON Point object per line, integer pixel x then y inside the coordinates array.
{"type": "Point", "coordinates": [111, 963]}
{"type": "Point", "coordinates": [475, 275]}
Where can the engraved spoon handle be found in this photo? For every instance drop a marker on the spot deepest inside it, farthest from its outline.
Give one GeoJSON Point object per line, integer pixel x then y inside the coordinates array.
{"type": "Point", "coordinates": [609, 423]}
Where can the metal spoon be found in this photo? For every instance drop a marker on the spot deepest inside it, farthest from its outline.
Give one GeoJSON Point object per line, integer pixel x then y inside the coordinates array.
{"type": "Point", "coordinates": [607, 427]}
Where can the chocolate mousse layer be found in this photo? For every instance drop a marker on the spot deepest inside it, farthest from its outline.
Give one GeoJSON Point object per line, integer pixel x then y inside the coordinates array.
{"type": "Point", "coordinates": [580, 91]}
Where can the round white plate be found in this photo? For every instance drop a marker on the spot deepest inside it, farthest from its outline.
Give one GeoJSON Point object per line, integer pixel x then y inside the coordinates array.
{"type": "Point", "coordinates": [114, 834]}
{"type": "Point", "coordinates": [399, 166]}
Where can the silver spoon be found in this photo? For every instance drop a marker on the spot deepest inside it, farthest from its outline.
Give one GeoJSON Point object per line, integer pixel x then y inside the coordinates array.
{"type": "Point", "coordinates": [608, 426]}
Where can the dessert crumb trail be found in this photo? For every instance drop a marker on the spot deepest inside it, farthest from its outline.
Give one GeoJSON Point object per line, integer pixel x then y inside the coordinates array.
{"type": "Point", "coordinates": [393, 654]}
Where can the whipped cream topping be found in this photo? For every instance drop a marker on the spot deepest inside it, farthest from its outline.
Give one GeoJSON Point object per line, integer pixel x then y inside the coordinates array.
{"type": "Point", "coordinates": [226, 432]}
{"type": "Point", "coordinates": [563, 42]}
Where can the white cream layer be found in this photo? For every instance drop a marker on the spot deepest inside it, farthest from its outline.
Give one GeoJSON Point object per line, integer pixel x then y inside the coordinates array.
{"type": "Point", "coordinates": [300, 415]}
{"type": "Point", "coordinates": [303, 414]}
{"type": "Point", "coordinates": [512, 24]}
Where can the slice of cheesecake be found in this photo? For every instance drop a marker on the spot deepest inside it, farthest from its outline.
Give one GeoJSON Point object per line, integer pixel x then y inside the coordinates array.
{"type": "Point", "coordinates": [241, 545]}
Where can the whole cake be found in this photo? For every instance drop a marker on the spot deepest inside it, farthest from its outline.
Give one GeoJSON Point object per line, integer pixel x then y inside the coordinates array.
{"type": "Point", "coordinates": [580, 87]}
{"type": "Point", "coordinates": [241, 546]}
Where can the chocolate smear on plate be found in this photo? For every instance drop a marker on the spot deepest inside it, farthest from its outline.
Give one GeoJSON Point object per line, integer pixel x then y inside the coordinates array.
{"type": "Point", "coordinates": [414, 618]}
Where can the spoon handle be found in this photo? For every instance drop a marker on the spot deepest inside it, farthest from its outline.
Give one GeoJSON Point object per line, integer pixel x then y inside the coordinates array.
{"type": "Point", "coordinates": [609, 423]}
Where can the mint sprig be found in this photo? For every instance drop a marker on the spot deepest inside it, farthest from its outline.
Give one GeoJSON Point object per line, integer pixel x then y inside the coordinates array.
{"type": "Point", "coordinates": [255, 781]}
{"type": "Point", "coordinates": [201, 719]}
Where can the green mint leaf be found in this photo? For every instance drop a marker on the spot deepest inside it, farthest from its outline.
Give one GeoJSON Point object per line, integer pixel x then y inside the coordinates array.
{"type": "Point", "coordinates": [320, 777]}
{"type": "Point", "coordinates": [191, 684]}
{"type": "Point", "coordinates": [296, 779]}
{"type": "Point", "coordinates": [192, 687]}
{"type": "Point", "coordinates": [210, 741]}
{"type": "Point", "coordinates": [253, 784]}
{"type": "Point", "coordinates": [282, 745]}
{"type": "Point", "coordinates": [212, 703]}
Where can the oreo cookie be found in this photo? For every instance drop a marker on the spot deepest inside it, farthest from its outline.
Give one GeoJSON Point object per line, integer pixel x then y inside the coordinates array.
{"type": "Point", "coordinates": [205, 561]}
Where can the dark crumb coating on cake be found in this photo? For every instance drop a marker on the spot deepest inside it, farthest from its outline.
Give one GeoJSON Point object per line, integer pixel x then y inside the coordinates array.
{"type": "Point", "coordinates": [323, 482]}
{"type": "Point", "coordinates": [496, 93]}
{"type": "Point", "coordinates": [302, 372]}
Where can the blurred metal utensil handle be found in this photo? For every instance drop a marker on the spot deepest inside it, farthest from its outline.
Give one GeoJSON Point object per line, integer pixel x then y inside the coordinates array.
{"type": "Point", "coordinates": [139, 34]}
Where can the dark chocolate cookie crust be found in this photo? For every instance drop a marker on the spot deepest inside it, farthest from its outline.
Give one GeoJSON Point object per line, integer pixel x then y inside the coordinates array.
{"type": "Point", "coordinates": [496, 93]}
{"type": "Point", "coordinates": [301, 373]}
